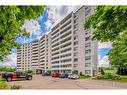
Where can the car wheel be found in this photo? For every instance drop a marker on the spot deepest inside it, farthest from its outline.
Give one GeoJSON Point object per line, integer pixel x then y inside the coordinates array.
{"type": "Point", "coordinates": [9, 79]}
{"type": "Point", "coordinates": [29, 78]}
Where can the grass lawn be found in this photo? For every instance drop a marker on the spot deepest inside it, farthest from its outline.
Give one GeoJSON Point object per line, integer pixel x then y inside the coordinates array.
{"type": "Point", "coordinates": [3, 84]}
{"type": "Point", "coordinates": [84, 77]}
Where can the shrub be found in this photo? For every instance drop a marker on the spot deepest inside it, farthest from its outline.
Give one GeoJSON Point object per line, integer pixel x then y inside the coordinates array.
{"type": "Point", "coordinates": [99, 77]}
{"type": "Point", "coordinates": [84, 76]}
{"type": "Point", "coordinates": [3, 84]}
{"type": "Point", "coordinates": [123, 77]}
{"type": "Point", "coordinates": [108, 76]}
{"type": "Point", "coordinates": [15, 87]}
{"type": "Point", "coordinates": [81, 74]}
{"type": "Point", "coordinates": [102, 71]}
{"type": "Point", "coordinates": [29, 71]}
{"type": "Point", "coordinates": [49, 72]}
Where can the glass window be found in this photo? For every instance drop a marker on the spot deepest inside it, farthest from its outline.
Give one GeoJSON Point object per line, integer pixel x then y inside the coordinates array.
{"type": "Point", "coordinates": [87, 72]}
{"type": "Point", "coordinates": [87, 57]}
{"type": "Point", "coordinates": [88, 51]}
{"type": "Point", "coordinates": [75, 59]}
{"type": "Point", "coordinates": [87, 38]}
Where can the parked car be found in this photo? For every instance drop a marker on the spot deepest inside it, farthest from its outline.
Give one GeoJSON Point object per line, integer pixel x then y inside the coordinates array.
{"type": "Point", "coordinates": [73, 76]}
{"type": "Point", "coordinates": [55, 74]}
{"type": "Point", "coordinates": [9, 76]}
{"type": "Point", "coordinates": [64, 75]}
{"type": "Point", "coordinates": [46, 74]}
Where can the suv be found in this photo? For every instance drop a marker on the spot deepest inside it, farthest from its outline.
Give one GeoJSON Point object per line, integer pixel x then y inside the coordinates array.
{"type": "Point", "coordinates": [9, 76]}
{"type": "Point", "coordinates": [64, 75]}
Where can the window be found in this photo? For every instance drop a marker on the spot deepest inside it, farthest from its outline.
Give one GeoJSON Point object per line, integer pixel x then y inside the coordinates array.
{"type": "Point", "coordinates": [87, 64]}
{"type": "Point", "coordinates": [87, 57]}
{"type": "Point", "coordinates": [87, 72]}
{"type": "Point", "coordinates": [66, 66]}
{"type": "Point", "coordinates": [75, 65]}
{"type": "Point", "coordinates": [76, 54]}
{"type": "Point", "coordinates": [65, 55]}
{"type": "Point", "coordinates": [75, 20]}
{"type": "Point", "coordinates": [87, 31]}
{"type": "Point", "coordinates": [75, 37]}
{"type": "Point", "coordinates": [75, 48]}
{"type": "Point", "coordinates": [87, 38]}
{"type": "Point", "coordinates": [55, 62]}
{"type": "Point", "coordinates": [75, 31]}
{"type": "Point", "coordinates": [55, 66]}
{"type": "Point", "coordinates": [75, 26]}
{"type": "Point", "coordinates": [87, 11]}
{"type": "Point", "coordinates": [67, 60]}
{"type": "Point", "coordinates": [75, 43]}
{"type": "Point", "coordinates": [75, 59]}
{"type": "Point", "coordinates": [87, 51]}
{"type": "Point", "coordinates": [87, 45]}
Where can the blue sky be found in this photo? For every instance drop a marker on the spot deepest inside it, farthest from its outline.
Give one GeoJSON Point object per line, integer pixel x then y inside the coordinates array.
{"type": "Point", "coordinates": [43, 24]}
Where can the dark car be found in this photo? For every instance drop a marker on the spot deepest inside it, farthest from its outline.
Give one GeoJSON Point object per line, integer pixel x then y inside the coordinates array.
{"type": "Point", "coordinates": [9, 76]}
{"type": "Point", "coordinates": [64, 75]}
{"type": "Point", "coordinates": [46, 74]}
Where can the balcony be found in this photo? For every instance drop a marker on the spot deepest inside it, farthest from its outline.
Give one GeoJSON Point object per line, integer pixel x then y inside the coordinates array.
{"type": "Point", "coordinates": [67, 23]}
{"type": "Point", "coordinates": [65, 29]}
{"type": "Point", "coordinates": [66, 18]}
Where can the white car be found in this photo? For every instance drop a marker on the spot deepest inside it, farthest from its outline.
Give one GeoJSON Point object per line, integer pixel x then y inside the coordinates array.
{"type": "Point", "coordinates": [73, 76]}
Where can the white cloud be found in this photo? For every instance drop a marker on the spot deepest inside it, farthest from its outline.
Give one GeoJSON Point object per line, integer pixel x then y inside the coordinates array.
{"type": "Point", "coordinates": [9, 61]}
{"type": "Point", "coordinates": [32, 27]}
{"type": "Point", "coordinates": [99, 57]}
{"type": "Point", "coordinates": [104, 62]}
{"type": "Point", "coordinates": [105, 45]}
{"type": "Point", "coordinates": [57, 13]}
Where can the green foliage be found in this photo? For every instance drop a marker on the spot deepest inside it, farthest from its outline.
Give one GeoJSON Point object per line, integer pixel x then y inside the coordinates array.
{"type": "Point", "coordinates": [7, 69]}
{"type": "Point", "coordinates": [84, 76]}
{"type": "Point", "coordinates": [49, 72]}
{"type": "Point", "coordinates": [3, 84]}
{"type": "Point", "coordinates": [11, 20]}
{"type": "Point", "coordinates": [81, 74]}
{"type": "Point", "coordinates": [118, 54]}
{"type": "Point", "coordinates": [110, 24]}
{"type": "Point", "coordinates": [15, 87]}
{"type": "Point", "coordinates": [124, 77]}
{"type": "Point", "coordinates": [102, 71]}
{"type": "Point", "coordinates": [108, 76]}
{"type": "Point", "coordinates": [29, 71]}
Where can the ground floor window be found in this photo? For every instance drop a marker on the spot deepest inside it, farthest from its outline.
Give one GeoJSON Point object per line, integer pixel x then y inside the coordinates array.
{"type": "Point", "coordinates": [87, 72]}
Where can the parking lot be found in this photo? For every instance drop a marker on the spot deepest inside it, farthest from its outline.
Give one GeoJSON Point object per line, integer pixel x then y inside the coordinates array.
{"type": "Point", "coordinates": [47, 82]}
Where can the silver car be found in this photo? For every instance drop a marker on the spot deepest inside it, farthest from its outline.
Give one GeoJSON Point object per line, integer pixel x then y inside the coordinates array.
{"type": "Point", "coordinates": [73, 76]}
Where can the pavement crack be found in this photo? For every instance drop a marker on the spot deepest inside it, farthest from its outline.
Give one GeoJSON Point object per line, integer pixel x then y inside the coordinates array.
{"type": "Point", "coordinates": [76, 83]}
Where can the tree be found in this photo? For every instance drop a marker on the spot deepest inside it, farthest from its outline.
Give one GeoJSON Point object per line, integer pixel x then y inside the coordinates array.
{"type": "Point", "coordinates": [110, 24]}
{"type": "Point", "coordinates": [7, 69]}
{"type": "Point", "coordinates": [118, 54]}
{"type": "Point", "coordinates": [102, 71]}
{"type": "Point", "coordinates": [11, 20]}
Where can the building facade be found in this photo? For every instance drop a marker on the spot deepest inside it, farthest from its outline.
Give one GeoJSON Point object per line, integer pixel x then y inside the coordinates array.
{"type": "Point", "coordinates": [67, 48]}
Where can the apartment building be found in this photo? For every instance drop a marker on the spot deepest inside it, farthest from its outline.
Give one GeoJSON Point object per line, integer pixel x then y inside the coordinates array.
{"type": "Point", "coordinates": [67, 48]}
{"type": "Point", "coordinates": [24, 57]}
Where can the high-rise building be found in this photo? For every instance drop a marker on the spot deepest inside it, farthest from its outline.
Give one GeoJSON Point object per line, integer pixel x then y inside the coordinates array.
{"type": "Point", "coordinates": [67, 48]}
